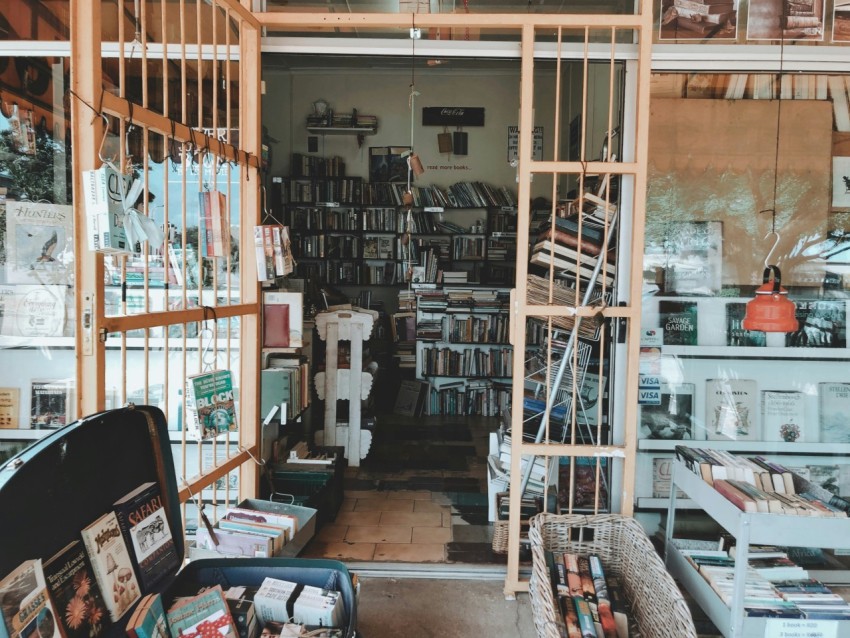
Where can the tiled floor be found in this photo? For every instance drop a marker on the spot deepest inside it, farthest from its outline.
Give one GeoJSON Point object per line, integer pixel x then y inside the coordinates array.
{"type": "Point", "coordinates": [420, 516]}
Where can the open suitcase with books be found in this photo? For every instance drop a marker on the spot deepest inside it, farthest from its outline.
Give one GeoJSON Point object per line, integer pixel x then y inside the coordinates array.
{"type": "Point", "coordinates": [71, 478]}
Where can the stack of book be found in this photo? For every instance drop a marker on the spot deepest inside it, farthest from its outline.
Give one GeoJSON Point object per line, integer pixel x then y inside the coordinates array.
{"type": "Point", "coordinates": [758, 485]}
{"type": "Point", "coordinates": [802, 17]}
{"type": "Point", "coordinates": [703, 16]}
{"type": "Point", "coordinates": [574, 251]}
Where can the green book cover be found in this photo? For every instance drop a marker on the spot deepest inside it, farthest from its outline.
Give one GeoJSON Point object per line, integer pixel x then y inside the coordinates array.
{"type": "Point", "coordinates": [211, 400]}
{"type": "Point", "coordinates": [678, 319]}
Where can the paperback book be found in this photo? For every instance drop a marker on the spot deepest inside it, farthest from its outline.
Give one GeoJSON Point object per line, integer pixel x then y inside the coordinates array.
{"type": "Point", "coordinates": [81, 610]}
{"type": "Point", "coordinates": [201, 616]}
{"type": "Point", "coordinates": [688, 254]}
{"type": "Point", "coordinates": [50, 402]}
{"type": "Point", "coordinates": [678, 321]}
{"type": "Point", "coordinates": [736, 335]}
{"type": "Point", "coordinates": [26, 605]}
{"type": "Point", "coordinates": [112, 565]}
{"type": "Point", "coordinates": [148, 619]}
{"type": "Point", "coordinates": [39, 243]}
{"type": "Point", "coordinates": [730, 410]}
{"type": "Point", "coordinates": [834, 403]}
{"type": "Point", "coordinates": [673, 417]}
{"type": "Point", "coordinates": [783, 415]}
{"type": "Point", "coordinates": [142, 519]}
{"type": "Point", "coordinates": [822, 324]}
{"type": "Point", "coordinates": [211, 402]}
{"type": "Point", "coordinates": [10, 408]}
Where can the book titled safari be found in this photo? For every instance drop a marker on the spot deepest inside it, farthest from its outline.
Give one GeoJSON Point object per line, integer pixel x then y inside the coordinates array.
{"type": "Point", "coordinates": [212, 404]}
{"type": "Point", "coordinates": [80, 608]}
{"type": "Point", "coordinates": [144, 525]}
{"type": "Point", "coordinates": [111, 564]}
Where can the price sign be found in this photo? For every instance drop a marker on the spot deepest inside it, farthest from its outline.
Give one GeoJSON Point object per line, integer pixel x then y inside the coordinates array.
{"type": "Point", "coordinates": [800, 628]}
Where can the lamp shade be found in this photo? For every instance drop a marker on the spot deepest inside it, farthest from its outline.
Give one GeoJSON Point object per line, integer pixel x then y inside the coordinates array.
{"type": "Point", "coordinates": [771, 310]}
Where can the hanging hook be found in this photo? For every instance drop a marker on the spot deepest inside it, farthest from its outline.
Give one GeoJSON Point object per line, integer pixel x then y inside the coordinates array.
{"type": "Point", "coordinates": [100, 156]}
{"type": "Point", "coordinates": [772, 248]}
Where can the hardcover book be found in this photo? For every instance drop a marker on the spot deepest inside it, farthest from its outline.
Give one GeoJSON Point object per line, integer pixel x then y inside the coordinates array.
{"type": "Point", "coordinates": [202, 616]}
{"type": "Point", "coordinates": [673, 417]}
{"type": "Point", "coordinates": [730, 410]}
{"type": "Point", "coordinates": [142, 519]}
{"type": "Point", "coordinates": [822, 324]}
{"type": "Point", "coordinates": [25, 604]}
{"type": "Point", "coordinates": [736, 335]}
{"type": "Point", "coordinates": [10, 408]}
{"type": "Point", "coordinates": [834, 400]}
{"type": "Point", "coordinates": [689, 254]}
{"type": "Point", "coordinates": [211, 403]}
{"type": "Point", "coordinates": [112, 565]}
{"type": "Point", "coordinates": [80, 607]}
{"type": "Point", "coordinates": [783, 415]}
{"type": "Point", "coordinates": [283, 319]}
{"type": "Point", "coordinates": [39, 243]}
{"type": "Point", "coordinates": [50, 402]}
{"type": "Point", "coordinates": [678, 321]}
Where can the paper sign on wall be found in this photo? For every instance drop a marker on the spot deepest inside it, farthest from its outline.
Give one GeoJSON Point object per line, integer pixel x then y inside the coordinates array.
{"type": "Point", "coordinates": [800, 628]}
{"type": "Point", "coordinates": [536, 143]}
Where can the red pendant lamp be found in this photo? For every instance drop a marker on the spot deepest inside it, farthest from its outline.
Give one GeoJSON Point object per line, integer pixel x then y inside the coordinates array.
{"type": "Point", "coordinates": [771, 310]}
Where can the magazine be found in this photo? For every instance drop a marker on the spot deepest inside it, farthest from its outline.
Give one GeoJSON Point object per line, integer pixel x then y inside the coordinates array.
{"type": "Point", "coordinates": [39, 243]}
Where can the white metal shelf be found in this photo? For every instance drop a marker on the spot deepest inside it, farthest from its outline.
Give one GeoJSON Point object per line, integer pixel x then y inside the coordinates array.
{"type": "Point", "coordinates": [754, 352]}
{"type": "Point", "coordinates": [755, 447]}
{"type": "Point", "coordinates": [747, 528]}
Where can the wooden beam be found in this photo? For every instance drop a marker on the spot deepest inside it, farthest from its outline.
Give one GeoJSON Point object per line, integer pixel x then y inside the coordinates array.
{"type": "Point", "coordinates": [285, 20]}
{"type": "Point", "coordinates": [175, 317]}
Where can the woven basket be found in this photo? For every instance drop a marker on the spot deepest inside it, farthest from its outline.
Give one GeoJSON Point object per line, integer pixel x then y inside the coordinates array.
{"type": "Point", "coordinates": [657, 605]}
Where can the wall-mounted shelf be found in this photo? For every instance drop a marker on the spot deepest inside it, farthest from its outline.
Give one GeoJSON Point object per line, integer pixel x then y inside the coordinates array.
{"type": "Point", "coordinates": [342, 130]}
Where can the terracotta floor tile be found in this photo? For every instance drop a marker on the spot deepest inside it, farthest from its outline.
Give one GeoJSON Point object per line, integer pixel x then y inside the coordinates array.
{"type": "Point", "coordinates": [358, 518]}
{"type": "Point", "coordinates": [365, 494]}
{"type": "Point", "coordinates": [411, 519]}
{"type": "Point", "coordinates": [384, 505]}
{"type": "Point", "coordinates": [429, 506]}
{"type": "Point", "coordinates": [347, 505]}
{"type": "Point", "coordinates": [416, 495]}
{"type": "Point", "coordinates": [379, 534]}
{"type": "Point", "coordinates": [408, 553]}
{"type": "Point", "coordinates": [342, 551]}
{"type": "Point", "coordinates": [424, 535]}
{"type": "Point", "coordinates": [331, 533]}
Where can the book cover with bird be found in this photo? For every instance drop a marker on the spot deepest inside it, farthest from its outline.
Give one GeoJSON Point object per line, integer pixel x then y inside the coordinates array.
{"type": "Point", "coordinates": [39, 240]}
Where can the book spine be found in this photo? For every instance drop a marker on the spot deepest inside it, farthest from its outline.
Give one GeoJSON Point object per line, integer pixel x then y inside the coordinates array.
{"type": "Point", "coordinates": [606, 616]}
{"type": "Point", "coordinates": [735, 496]}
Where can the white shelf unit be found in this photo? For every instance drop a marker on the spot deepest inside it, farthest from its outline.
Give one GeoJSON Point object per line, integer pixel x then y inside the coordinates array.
{"type": "Point", "coordinates": [747, 528]}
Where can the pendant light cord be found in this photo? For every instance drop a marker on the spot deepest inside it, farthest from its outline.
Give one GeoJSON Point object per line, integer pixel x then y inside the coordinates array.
{"type": "Point", "coordinates": [778, 132]}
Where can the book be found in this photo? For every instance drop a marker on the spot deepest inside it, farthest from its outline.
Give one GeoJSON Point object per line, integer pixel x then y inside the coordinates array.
{"type": "Point", "coordinates": [50, 403]}
{"type": "Point", "coordinates": [736, 334]}
{"type": "Point", "coordinates": [283, 319]}
{"type": "Point", "coordinates": [275, 533]}
{"type": "Point", "coordinates": [33, 310]}
{"type": "Point", "coordinates": [673, 417]}
{"type": "Point", "coordinates": [39, 243]}
{"type": "Point", "coordinates": [264, 253]}
{"type": "Point", "coordinates": [783, 415]}
{"type": "Point", "coordinates": [662, 475]}
{"type": "Point", "coordinates": [678, 321]}
{"type": "Point", "coordinates": [201, 616]}
{"type": "Point", "coordinates": [234, 543]}
{"type": "Point", "coordinates": [10, 408]}
{"type": "Point", "coordinates": [730, 409]}
{"type": "Point", "coordinates": [822, 324]}
{"type": "Point", "coordinates": [738, 498]}
{"type": "Point", "coordinates": [211, 403]}
{"type": "Point", "coordinates": [688, 254]}
{"type": "Point", "coordinates": [272, 600]}
{"type": "Point", "coordinates": [76, 596]}
{"type": "Point", "coordinates": [112, 565]}
{"type": "Point", "coordinates": [141, 516]}
{"type": "Point", "coordinates": [834, 408]}
{"type": "Point", "coordinates": [240, 601]}
{"type": "Point", "coordinates": [149, 619]}
{"type": "Point", "coordinates": [25, 603]}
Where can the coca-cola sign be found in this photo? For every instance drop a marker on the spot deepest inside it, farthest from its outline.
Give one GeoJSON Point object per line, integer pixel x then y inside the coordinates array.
{"type": "Point", "coordinates": [453, 116]}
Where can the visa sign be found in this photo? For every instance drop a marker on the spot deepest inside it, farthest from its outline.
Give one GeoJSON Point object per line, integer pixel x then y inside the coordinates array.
{"type": "Point", "coordinates": [649, 396]}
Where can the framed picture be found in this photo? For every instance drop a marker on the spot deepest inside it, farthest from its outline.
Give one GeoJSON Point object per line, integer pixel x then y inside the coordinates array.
{"type": "Point", "coordinates": [841, 182]}
{"type": "Point", "coordinates": [388, 164]}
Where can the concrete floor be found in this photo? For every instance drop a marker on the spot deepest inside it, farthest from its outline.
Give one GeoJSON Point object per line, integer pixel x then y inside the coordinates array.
{"type": "Point", "coordinates": [426, 608]}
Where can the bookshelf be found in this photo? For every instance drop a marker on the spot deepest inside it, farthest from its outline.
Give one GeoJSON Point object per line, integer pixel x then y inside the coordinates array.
{"type": "Point", "coordinates": [748, 529]}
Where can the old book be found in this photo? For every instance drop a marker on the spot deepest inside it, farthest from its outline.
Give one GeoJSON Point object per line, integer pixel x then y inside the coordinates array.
{"type": "Point", "coordinates": [822, 324]}
{"type": "Point", "coordinates": [283, 319]}
{"type": "Point", "coordinates": [112, 565]}
{"type": "Point", "coordinates": [201, 616]}
{"type": "Point", "coordinates": [783, 415]}
{"type": "Point", "coordinates": [10, 408]}
{"type": "Point", "coordinates": [662, 475]}
{"type": "Point", "coordinates": [730, 409]}
{"type": "Point", "coordinates": [39, 243]}
{"type": "Point", "coordinates": [149, 619]}
{"type": "Point", "coordinates": [689, 254]}
{"type": "Point", "coordinates": [141, 516]}
{"type": "Point", "coordinates": [834, 405]}
{"type": "Point", "coordinates": [672, 417]}
{"type": "Point", "coordinates": [25, 603]}
{"type": "Point", "coordinates": [741, 500]}
{"type": "Point", "coordinates": [211, 403]}
{"type": "Point", "coordinates": [736, 334]}
{"type": "Point", "coordinates": [50, 403]}
{"type": "Point", "coordinates": [571, 240]}
{"type": "Point", "coordinates": [678, 319]}
{"type": "Point", "coordinates": [75, 593]}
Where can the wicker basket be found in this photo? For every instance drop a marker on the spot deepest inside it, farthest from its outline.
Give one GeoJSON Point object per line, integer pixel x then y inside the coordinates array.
{"type": "Point", "coordinates": [657, 605]}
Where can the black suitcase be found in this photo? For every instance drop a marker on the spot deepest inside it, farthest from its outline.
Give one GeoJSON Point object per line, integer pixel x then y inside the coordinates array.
{"type": "Point", "coordinates": [55, 488]}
